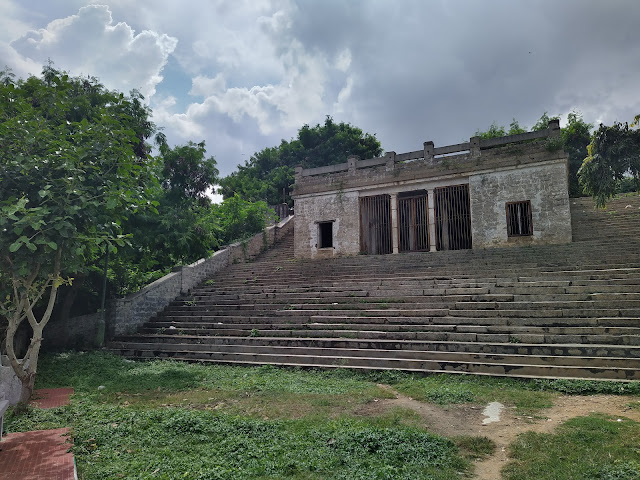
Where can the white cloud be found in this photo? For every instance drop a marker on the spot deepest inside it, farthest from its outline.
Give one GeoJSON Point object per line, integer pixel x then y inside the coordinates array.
{"type": "Point", "coordinates": [204, 86]}
{"type": "Point", "coordinates": [343, 60]}
{"type": "Point", "coordinates": [90, 43]}
{"type": "Point", "coordinates": [343, 96]}
{"type": "Point", "coordinates": [248, 73]}
{"type": "Point", "coordinates": [297, 98]}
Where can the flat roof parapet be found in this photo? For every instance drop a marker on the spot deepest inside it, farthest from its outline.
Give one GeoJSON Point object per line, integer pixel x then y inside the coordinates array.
{"type": "Point", "coordinates": [430, 153]}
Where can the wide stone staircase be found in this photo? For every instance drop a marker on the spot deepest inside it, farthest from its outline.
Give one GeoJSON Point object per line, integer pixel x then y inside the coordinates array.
{"type": "Point", "coordinates": [561, 311]}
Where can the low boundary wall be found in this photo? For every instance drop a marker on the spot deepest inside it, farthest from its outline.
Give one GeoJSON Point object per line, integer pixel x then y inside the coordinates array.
{"type": "Point", "coordinates": [126, 315]}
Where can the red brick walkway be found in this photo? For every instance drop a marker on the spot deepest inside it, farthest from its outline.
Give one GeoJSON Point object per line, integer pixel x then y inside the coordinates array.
{"type": "Point", "coordinates": [51, 397]}
{"type": "Point", "coordinates": [40, 455]}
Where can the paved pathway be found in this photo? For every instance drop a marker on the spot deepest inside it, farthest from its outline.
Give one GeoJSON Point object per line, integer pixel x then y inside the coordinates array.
{"type": "Point", "coordinates": [43, 454]}
{"type": "Point", "coordinates": [40, 455]}
{"type": "Point", "coordinates": [51, 397]}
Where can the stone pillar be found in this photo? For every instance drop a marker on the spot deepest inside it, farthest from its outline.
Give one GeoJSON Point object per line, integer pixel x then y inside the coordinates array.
{"type": "Point", "coordinates": [394, 222]}
{"type": "Point", "coordinates": [428, 152]}
{"type": "Point", "coordinates": [432, 220]}
{"type": "Point", "coordinates": [391, 161]}
{"type": "Point", "coordinates": [352, 162]}
{"type": "Point", "coordinates": [474, 143]}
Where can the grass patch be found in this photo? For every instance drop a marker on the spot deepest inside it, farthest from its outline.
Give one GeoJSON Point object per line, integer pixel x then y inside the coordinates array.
{"type": "Point", "coordinates": [528, 396]}
{"type": "Point", "coordinates": [166, 420]}
{"type": "Point", "coordinates": [265, 405]}
{"type": "Point", "coordinates": [86, 371]}
{"type": "Point", "coordinates": [592, 447]}
{"type": "Point", "coordinates": [122, 442]}
{"type": "Point", "coordinates": [586, 387]}
{"type": "Point", "coordinates": [455, 389]}
{"type": "Point", "coordinates": [475, 448]}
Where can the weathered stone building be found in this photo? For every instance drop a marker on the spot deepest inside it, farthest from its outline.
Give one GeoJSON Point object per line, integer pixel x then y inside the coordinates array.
{"type": "Point", "coordinates": [483, 193]}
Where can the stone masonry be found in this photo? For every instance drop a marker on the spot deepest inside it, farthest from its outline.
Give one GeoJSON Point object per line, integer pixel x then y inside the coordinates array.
{"type": "Point", "coordinates": [526, 168]}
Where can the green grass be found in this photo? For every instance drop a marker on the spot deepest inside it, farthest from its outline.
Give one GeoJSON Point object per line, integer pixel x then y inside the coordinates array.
{"type": "Point", "coordinates": [171, 420]}
{"type": "Point", "coordinates": [86, 371]}
{"type": "Point", "coordinates": [593, 447]}
{"type": "Point", "coordinates": [172, 443]}
{"type": "Point", "coordinates": [454, 389]}
{"type": "Point", "coordinates": [528, 396]}
{"type": "Point", "coordinates": [475, 447]}
{"type": "Point", "coordinates": [168, 420]}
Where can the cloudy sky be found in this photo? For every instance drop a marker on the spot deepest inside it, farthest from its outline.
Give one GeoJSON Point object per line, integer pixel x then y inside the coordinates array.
{"type": "Point", "coordinates": [243, 74]}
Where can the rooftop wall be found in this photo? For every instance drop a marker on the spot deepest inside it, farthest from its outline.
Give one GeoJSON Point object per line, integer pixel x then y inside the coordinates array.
{"type": "Point", "coordinates": [432, 162]}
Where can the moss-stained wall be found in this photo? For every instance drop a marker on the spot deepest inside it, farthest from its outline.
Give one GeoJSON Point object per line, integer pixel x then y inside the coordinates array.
{"type": "Point", "coordinates": [339, 207]}
{"type": "Point", "coordinates": [544, 185]}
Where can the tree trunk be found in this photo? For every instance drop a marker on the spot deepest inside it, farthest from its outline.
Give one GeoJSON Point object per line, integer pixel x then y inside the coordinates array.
{"type": "Point", "coordinates": [27, 388]}
{"type": "Point", "coordinates": [26, 369]}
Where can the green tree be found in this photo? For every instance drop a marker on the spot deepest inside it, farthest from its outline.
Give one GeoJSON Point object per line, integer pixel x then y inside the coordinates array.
{"type": "Point", "coordinates": [575, 138]}
{"type": "Point", "coordinates": [493, 131]}
{"type": "Point", "coordinates": [543, 122]}
{"type": "Point", "coordinates": [239, 218]}
{"type": "Point", "coordinates": [73, 165]}
{"type": "Point", "coordinates": [612, 155]}
{"type": "Point", "coordinates": [270, 172]}
{"type": "Point", "coordinates": [186, 173]}
{"type": "Point", "coordinates": [576, 135]}
{"type": "Point", "coordinates": [182, 229]}
{"type": "Point", "coordinates": [496, 130]}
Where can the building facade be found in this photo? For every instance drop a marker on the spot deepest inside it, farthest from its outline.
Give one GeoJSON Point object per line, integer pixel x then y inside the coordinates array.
{"type": "Point", "coordinates": [503, 191]}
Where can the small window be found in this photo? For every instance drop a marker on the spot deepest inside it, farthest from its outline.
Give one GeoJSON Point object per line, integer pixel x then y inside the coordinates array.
{"type": "Point", "coordinates": [325, 235]}
{"type": "Point", "coordinates": [519, 219]}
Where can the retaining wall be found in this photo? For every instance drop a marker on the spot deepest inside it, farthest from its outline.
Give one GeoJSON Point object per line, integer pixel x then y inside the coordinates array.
{"type": "Point", "coordinates": [10, 386]}
{"type": "Point", "coordinates": [127, 314]}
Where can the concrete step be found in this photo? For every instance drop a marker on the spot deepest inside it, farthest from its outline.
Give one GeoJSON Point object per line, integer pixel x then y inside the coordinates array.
{"type": "Point", "coordinates": [185, 326]}
{"type": "Point", "coordinates": [345, 360]}
{"type": "Point", "coordinates": [568, 311]}
{"type": "Point", "coordinates": [380, 353]}
{"type": "Point", "coordinates": [496, 348]}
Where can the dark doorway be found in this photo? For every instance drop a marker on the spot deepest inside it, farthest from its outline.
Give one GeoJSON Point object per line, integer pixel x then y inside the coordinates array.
{"type": "Point", "coordinates": [453, 217]}
{"type": "Point", "coordinates": [325, 234]}
{"type": "Point", "coordinates": [375, 225]}
{"type": "Point", "coordinates": [413, 221]}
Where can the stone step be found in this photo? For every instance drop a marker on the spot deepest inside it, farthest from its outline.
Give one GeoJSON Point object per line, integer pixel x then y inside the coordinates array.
{"type": "Point", "coordinates": [548, 304]}
{"type": "Point", "coordinates": [422, 365]}
{"type": "Point", "coordinates": [496, 348]}
{"type": "Point", "coordinates": [569, 311]}
{"type": "Point", "coordinates": [301, 318]}
{"type": "Point", "coordinates": [200, 326]}
{"type": "Point", "coordinates": [406, 334]}
{"type": "Point", "coordinates": [410, 354]}
{"type": "Point", "coordinates": [549, 312]}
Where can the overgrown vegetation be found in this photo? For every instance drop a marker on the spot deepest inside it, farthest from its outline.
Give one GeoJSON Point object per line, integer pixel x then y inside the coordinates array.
{"type": "Point", "coordinates": [601, 164]}
{"type": "Point", "coordinates": [574, 138]}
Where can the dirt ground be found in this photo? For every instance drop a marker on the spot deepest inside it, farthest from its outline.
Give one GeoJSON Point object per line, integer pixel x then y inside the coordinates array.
{"type": "Point", "coordinates": [459, 420]}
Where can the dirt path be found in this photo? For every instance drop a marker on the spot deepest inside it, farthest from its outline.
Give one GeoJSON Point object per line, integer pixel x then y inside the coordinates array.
{"type": "Point", "coordinates": [467, 420]}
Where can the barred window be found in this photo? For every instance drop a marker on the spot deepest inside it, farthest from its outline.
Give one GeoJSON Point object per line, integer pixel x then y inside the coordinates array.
{"type": "Point", "coordinates": [519, 222]}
